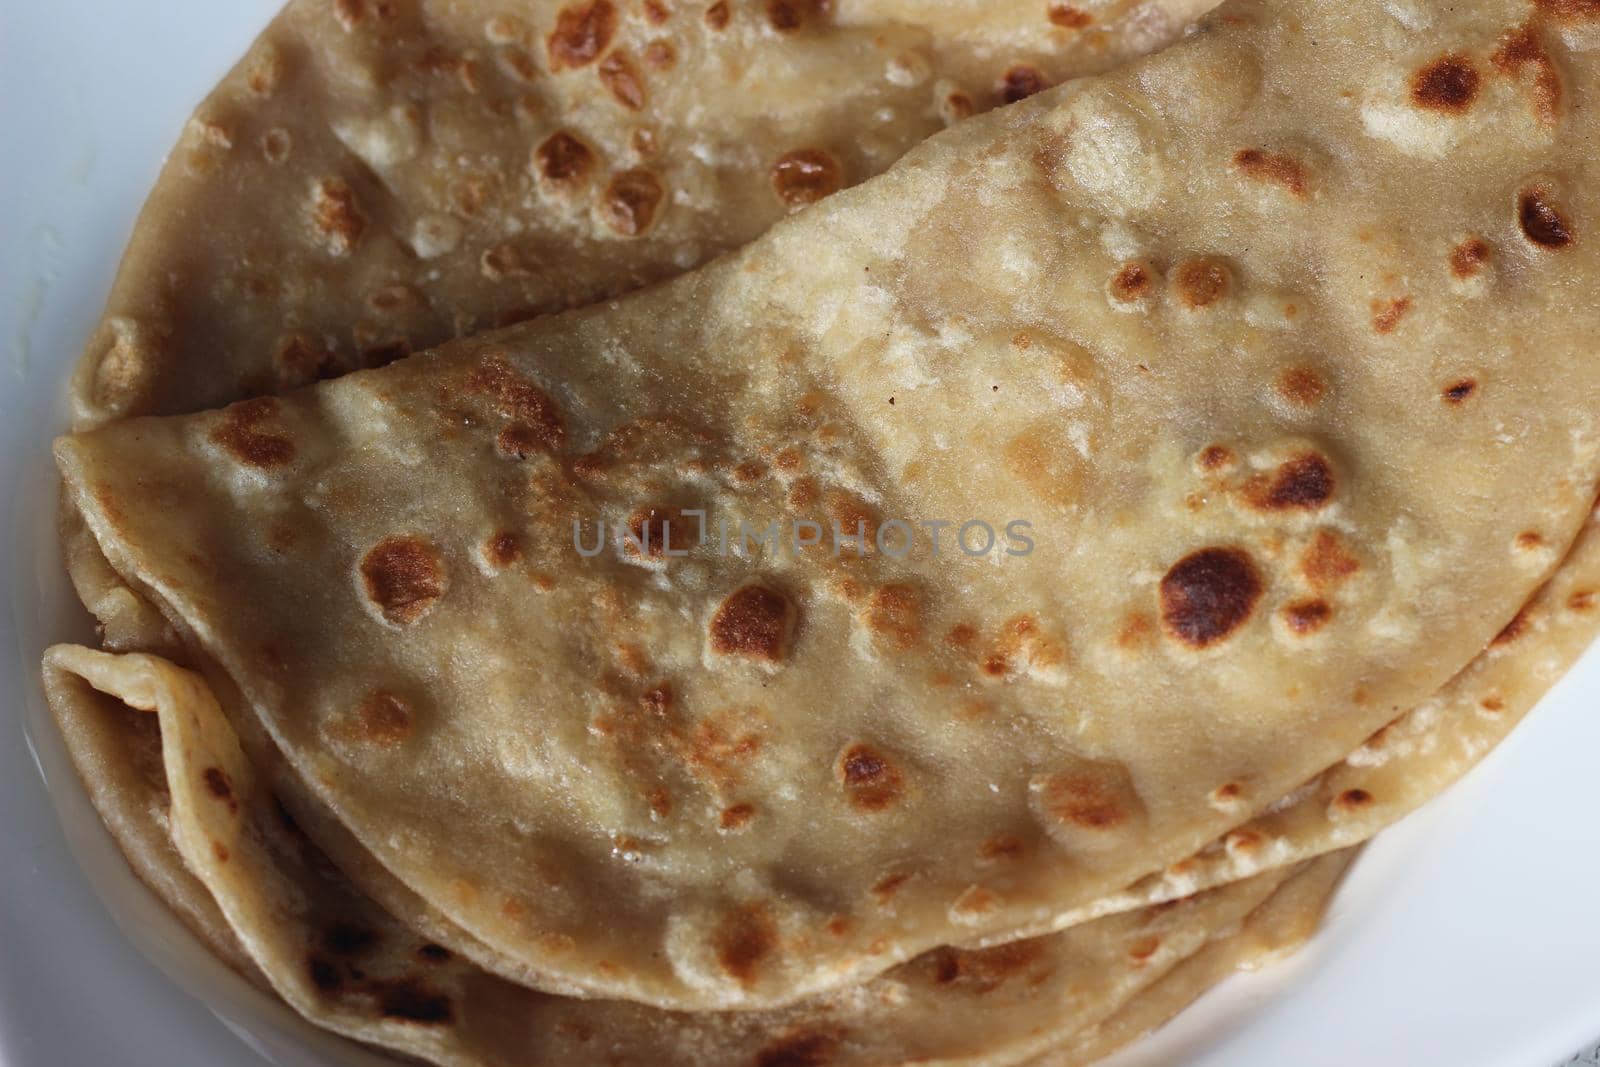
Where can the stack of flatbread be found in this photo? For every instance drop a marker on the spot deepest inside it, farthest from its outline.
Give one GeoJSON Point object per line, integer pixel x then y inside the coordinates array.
{"type": "Point", "coordinates": [821, 532]}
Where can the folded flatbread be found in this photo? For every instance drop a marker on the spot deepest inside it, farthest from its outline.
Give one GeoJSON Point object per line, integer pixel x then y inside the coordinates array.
{"type": "Point", "coordinates": [1297, 434]}
{"type": "Point", "coordinates": [346, 964]}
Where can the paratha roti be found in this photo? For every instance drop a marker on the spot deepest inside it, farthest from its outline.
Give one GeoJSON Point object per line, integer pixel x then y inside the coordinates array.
{"type": "Point", "coordinates": [985, 274]}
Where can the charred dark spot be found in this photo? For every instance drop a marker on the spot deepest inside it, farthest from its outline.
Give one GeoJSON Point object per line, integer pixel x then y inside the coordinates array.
{"type": "Point", "coordinates": [432, 953]}
{"type": "Point", "coordinates": [502, 549]}
{"type": "Point", "coordinates": [348, 939]}
{"type": "Point", "coordinates": [1275, 167]}
{"type": "Point", "coordinates": [240, 431]}
{"type": "Point", "coordinates": [1468, 258]}
{"type": "Point", "coordinates": [629, 202]}
{"type": "Point", "coordinates": [404, 578]}
{"type": "Point", "coordinates": [800, 1050]}
{"type": "Point", "coordinates": [1215, 457]}
{"type": "Point", "coordinates": [581, 34]}
{"type": "Point", "coordinates": [1020, 82]}
{"type": "Point", "coordinates": [563, 159]}
{"type": "Point", "coordinates": [324, 975]}
{"type": "Point", "coordinates": [1209, 594]}
{"type": "Point", "coordinates": [1351, 799]}
{"type": "Point", "coordinates": [805, 176]}
{"type": "Point", "coordinates": [1457, 392]}
{"type": "Point", "coordinates": [786, 16]}
{"type": "Point", "coordinates": [412, 1001]}
{"type": "Point", "coordinates": [1304, 483]}
{"type": "Point", "coordinates": [1542, 223]}
{"type": "Point", "coordinates": [1449, 84]}
{"type": "Point", "coordinates": [220, 786]}
{"type": "Point", "coordinates": [870, 781]}
{"type": "Point", "coordinates": [754, 621]}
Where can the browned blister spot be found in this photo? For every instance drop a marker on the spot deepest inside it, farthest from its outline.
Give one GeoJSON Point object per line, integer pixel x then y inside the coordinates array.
{"type": "Point", "coordinates": [718, 14]}
{"type": "Point", "coordinates": [1468, 258]}
{"type": "Point", "coordinates": [1582, 600]}
{"type": "Point", "coordinates": [1304, 483]}
{"type": "Point", "coordinates": [1132, 282]}
{"type": "Point", "coordinates": [618, 73]}
{"type": "Point", "coordinates": [404, 577]}
{"type": "Point", "coordinates": [219, 785]}
{"type": "Point", "coordinates": [562, 159]}
{"type": "Point", "coordinates": [1449, 84]}
{"type": "Point", "coordinates": [220, 850]}
{"type": "Point", "coordinates": [871, 782]}
{"type": "Point", "coordinates": [1215, 458]}
{"type": "Point", "coordinates": [1201, 281]}
{"type": "Point", "coordinates": [755, 621]}
{"type": "Point", "coordinates": [983, 970]}
{"type": "Point", "coordinates": [1523, 47]}
{"type": "Point", "coordinates": [520, 400]}
{"type": "Point", "coordinates": [1352, 800]}
{"type": "Point", "coordinates": [1528, 540]}
{"type": "Point", "coordinates": [1301, 386]}
{"type": "Point", "coordinates": [1088, 805]}
{"type": "Point", "coordinates": [1458, 392]}
{"type": "Point", "coordinates": [805, 175]}
{"type": "Point", "coordinates": [581, 33]}
{"type": "Point", "coordinates": [240, 431]}
{"type": "Point", "coordinates": [1386, 314]}
{"type": "Point", "coordinates": [736, 817]}
{"type": "Point", "coordinates": [1306, 616]}
{"type": "Point", "coordinates": [1001, 847]}
{"type": "Point", "coordinates": [802, 1049]}
{"type": "Point", "coordinates": [629, 201]}
{"type": "Point", "coordinates": [335, 215]}
{"type": "Point", "coordinates": [1542, 222]}
{"type": "Point", "coordinates": [1274, 167]}
{"type": "Point", "coordinates": [502, 548]}
{"type": "Point", "coordinates": [894, 612]}
{"type": "Point", "coordinates": [786, 16]}
{"type": "Point", "coordinates": [660, 531]}
{"type": "Point", "coordinates": [1020, 82]}
{"type": "Point", "coordinates": [746, 938]}
{"type": "Point", "coordinates": [1326, 562]}
{"type": "Point", "coordinates": [1142, 949]}
{"type": "Point", "coordinates": [1208, 595]}
{"type": "Point", "coordinates": [1068, 16]}
{"type": "Point", "coordinates": [382, 719]}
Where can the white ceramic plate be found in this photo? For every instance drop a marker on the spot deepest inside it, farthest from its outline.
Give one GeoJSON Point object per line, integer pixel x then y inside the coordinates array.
{"type": "Point", "coordinates": [1467, 935]}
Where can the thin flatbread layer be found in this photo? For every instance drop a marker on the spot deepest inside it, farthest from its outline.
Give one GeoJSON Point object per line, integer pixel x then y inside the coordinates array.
{"type": "Point", "coordinates": [1309, 504]}
{"type": "Point", "coordinates": [347, 965]}
{"type": "Point", "coordinates": [1277, 928]}
{"type": "Point", "coordinates": [375, 178]}
{"type": "Point", "coordinates": [378, 177]}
